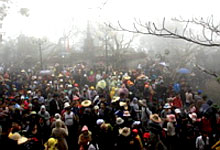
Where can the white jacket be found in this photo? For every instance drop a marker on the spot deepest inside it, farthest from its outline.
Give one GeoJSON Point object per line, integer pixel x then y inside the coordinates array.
{"type": "Point", "coordinates": [200, 144]}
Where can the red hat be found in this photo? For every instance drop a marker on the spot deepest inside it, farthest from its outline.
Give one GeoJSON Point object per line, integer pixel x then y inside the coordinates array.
{"type": "Point", "coordinates": [146, 85]}
{"type": "Point", "coordinates": [135, 131]}
{"type": "Point", "coordinates": [11, 97]}
{"type": "Point", "coordinates": [76, 85]}
{"type": "Point", "coordinates": [146, 135]}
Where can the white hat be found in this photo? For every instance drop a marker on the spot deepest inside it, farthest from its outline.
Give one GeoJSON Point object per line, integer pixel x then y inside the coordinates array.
{"type": "Point", "coordinates": [69, 86]}
{"type": "Point", "coordinates": [29, 91]}
{"type": "Point", "coordinates": [100, 121]}
{"type": "Point", "coordinates": [122, 104]}
{"type": "Point", "coordinates": [57, 116]}
{"type": "Point", "coordinates": [115, 99]}
{"type": "Point", "coordinates": [30, 105]}
{"type": "Point", "coordinates": [177, 111]}
{"type": "Point", "coordinates": [167, 105]}
{"type": "Point", "coordinates": [119, 121]}
{"type": "Point", "coordinates": [66, 105]}
{"type": "Point", "coordinates": [136, 123]}
{"type": "Point", "coordinates": [96, 107]}
{"type": "Point", "coordinates": [42, 107]}
{"type": "Point", "coordinates": [193, 116]}
{"type": "Point", "coordinates": [126, 113]}
{"type": "Point", "coordinates": [22, 70]}
{"type": "Point", "coordinates": [22, 97]}
{"type": "Point", "coordinates": [35, 97]}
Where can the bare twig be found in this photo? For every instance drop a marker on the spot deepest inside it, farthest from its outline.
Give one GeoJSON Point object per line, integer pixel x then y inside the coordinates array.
{"type": "Point", "coordinates": [206, 71]}
{"type": "Point", "coordinates": [150, 28]}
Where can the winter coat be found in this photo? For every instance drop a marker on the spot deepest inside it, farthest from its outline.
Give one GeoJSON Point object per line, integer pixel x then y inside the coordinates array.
{"type": "Point", "coordinates": [60, 134]}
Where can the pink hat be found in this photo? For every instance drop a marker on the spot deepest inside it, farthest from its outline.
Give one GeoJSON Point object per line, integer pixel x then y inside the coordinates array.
{"type": "Point", "coordinates": [84, 128]}
{"type": "Point", "coordinates": [171, 118]}
{"type": "Point", "coordinates": [76, 85]}
{"type": "Point", "coordinates": [75, 98]}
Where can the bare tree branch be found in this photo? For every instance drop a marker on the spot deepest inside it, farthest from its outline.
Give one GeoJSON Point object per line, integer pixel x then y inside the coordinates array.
{"type": "Point", "coordinates": [206, 71]}
{"type": "Point", "coordinates": [150, 28]}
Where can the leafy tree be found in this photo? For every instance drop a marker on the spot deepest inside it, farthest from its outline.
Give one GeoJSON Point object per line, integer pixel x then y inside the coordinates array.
{"type": "Point", "coordinates": [4, 6]}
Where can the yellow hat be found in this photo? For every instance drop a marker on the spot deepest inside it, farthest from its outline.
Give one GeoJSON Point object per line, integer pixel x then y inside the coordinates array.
{"type": "Point", "coordinates": [122, 104]}
{"type": "Point", "coordinates": [52, 142]}
{"type": "Point", "coordinates": [126, 77]}
{"type": "Point", "coordinates": [113, 88]}
{"type": "Point", "coordinates": [17, 137]}
{"type": "Point", "coordinates": [60, 75]}
{"type": "Point", "coordinates": [14, 136]}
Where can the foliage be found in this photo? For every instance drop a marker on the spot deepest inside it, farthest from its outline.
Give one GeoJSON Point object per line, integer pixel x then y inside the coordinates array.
{"type": "Point", "coordinates": [4, 6]}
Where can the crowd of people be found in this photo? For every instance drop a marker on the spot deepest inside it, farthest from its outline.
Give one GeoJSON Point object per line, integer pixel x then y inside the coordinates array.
{"type": "Point", "coordinates": [84, 108]}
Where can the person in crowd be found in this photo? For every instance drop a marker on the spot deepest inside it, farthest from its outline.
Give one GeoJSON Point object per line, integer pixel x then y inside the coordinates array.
{"type": "Point", "coordinates": [177, 102]}
{"type": "Point", "coordinates": [84, 138]}
{"type": "Point", "coordinates": [135, 109]}
{"type": "Point", "coordinates": [60, 134]}
{"type": "Point", "coordinates": [7, 143]}
{"type": "Point", "coordinates": [202, 142]}
{"type": "Point", "coordinates": [145, 112]}
{"type": "Point", "coordinates": [171, 132]}
{"type": "Point", "coordinates": [45, 114]}
{"type": "Point", "coordinates": [51, 144]}
{"type": "Point", "coordinates": [189, 98]}
{"type": "Point", "coordinates": [123, 109]}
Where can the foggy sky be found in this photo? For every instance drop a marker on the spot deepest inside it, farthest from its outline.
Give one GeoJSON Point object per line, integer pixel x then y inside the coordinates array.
{"type": "Point", "coordinates": [51, 17]}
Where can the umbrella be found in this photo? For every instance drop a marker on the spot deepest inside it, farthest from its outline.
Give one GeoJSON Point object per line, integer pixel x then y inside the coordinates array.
{"type": "Point", "coordinates": [45, 72]}
{"type": "Point", "coordinates": [183, 71]}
